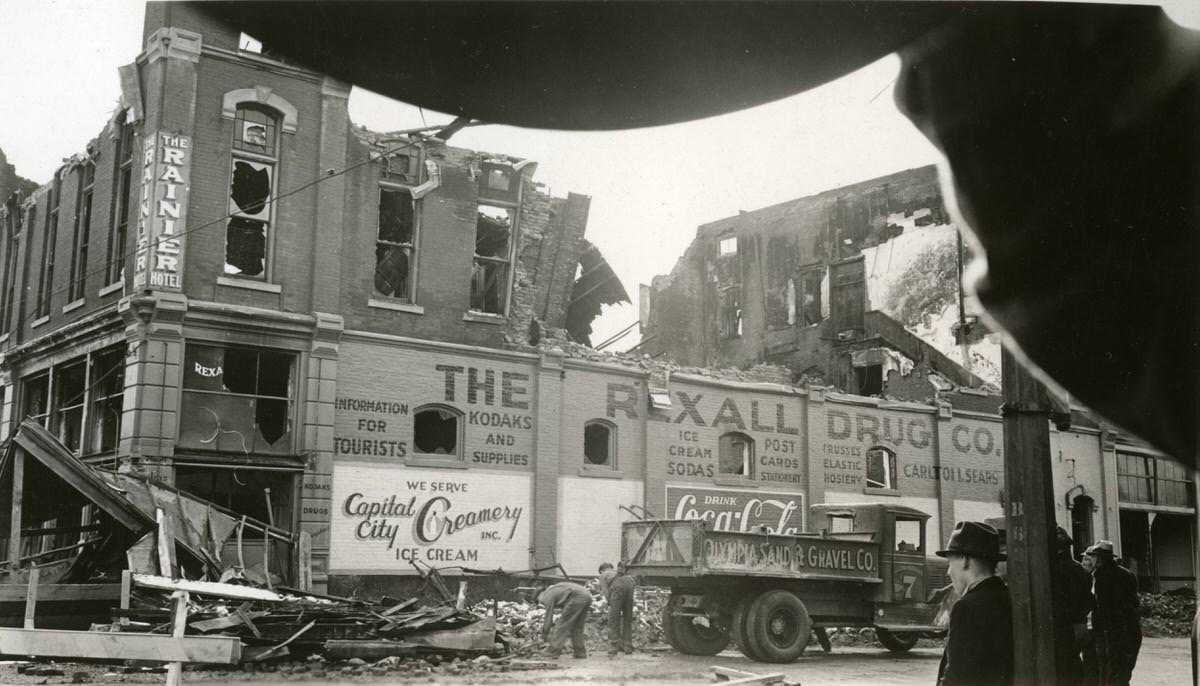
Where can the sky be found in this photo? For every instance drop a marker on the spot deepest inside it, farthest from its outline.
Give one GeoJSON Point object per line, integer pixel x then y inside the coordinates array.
{"type": "Point", "coordinates": [650, 188]}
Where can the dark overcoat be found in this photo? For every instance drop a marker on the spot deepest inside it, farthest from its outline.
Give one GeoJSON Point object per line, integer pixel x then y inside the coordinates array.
{"type": "Point", "coordinates": [979, 647]}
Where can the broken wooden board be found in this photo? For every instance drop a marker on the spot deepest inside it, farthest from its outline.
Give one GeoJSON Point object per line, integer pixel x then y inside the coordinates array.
{"type": "Point", "coordinates": [727, 677]}
{"type": "Point", "coordinates": [97, 645]}
{"type": "Point", "coordinates": [227, 622]}
{"type": "Point", "coordinates": [211, 588]}
{"type": "Point", "coordinates": [476, 637]}
{"type": "Point", "coordinates": [368, 650]}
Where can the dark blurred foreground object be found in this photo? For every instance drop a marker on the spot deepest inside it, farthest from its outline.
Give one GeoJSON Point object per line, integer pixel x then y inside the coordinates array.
{"type": "Point", "coordinates": [1071, 131]}
{"type": "Point", "coordinates": [1073, 138]}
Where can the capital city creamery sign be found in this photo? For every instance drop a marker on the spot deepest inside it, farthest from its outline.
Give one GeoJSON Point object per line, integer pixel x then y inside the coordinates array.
{"type": "Point", "coordinates": [166, 174]}
{"type": "Point", "coordinates": [386, 518]}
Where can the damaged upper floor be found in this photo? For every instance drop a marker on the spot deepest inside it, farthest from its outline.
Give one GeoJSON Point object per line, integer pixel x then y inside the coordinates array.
{"type": "Point", "coordinates": [839, 287]}
{"type": "Point", "coordinates": [231, 177]}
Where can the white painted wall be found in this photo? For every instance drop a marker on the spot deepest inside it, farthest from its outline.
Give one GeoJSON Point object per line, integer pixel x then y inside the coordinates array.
{"type": "Point", "coordinates": [589, 520]}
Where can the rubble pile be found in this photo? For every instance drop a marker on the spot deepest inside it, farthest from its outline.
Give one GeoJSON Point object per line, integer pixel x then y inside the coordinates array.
{"type": "Point", "coordinates": [519, 623]}
{"type": "Point", "coordinates": [1168, 614]}
{"type": "Point", "coordinates": [273, 625]}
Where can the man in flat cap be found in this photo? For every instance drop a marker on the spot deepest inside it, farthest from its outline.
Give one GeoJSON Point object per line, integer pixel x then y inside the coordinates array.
{"type": "Point", "coordinates": [979, 647]}
{"type": "Point", "coordinates": [1115, 624]}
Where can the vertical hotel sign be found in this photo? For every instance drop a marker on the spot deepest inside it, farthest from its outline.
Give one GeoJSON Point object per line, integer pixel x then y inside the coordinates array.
{"type": "Point", "coordinates": [166, 170]}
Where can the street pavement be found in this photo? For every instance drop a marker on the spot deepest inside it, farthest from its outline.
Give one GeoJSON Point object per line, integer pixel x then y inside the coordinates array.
{"type": "Point", "coordinates": [1162, 662]}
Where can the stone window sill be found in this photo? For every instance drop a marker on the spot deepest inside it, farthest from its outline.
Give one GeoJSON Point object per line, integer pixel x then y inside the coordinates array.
{"type": "Point", "coordinates": [249, 285]}
{"type": "Point", "coordinates": [73, 305]}
{"type": "Point", "coordinates": [484, 318]}
{"type": "Point", "coordinates": [438, 461]}
{"type": "Point", "coordinates": [881, 491]}
{"type": "Point", "coordinates": [600, 472]}
{"type": "Point", "coordinates": [39, 321]}
{"type": "Point", "coordinates": [112, 288]}
{"type": "Point", "coordinates": [395, 306]}
{"type": "Point", "coordinates": [734, 480]}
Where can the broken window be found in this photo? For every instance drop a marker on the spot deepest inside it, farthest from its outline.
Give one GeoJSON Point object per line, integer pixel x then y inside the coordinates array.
{"type": "Point", "coordinates": [119, 228]}
{"type": "Point", "coordinates": [70, 386]}
{"type": "Point", "coordinates": [396, 244]}
{"type": "Point", "coordinates": [808, 297]}
{"type": "Point", "coordinates": [728, 246]}
{"type": "Point", "coordinates": [869, 379]}
{"type": "Point", "coordinates": [599, 444]}
{"type": "Point", "coordinates": [251, 187]}
{"type": "Point", "coordinates": [244, 491]}
{"type": "Point", "coordinates": [49, 239]}
{"type": "Point", "coordinates": [37, 398]}
{"type": "Point", "coordinates": [86, 177]}
{"type": "Point", "coordinates": [400, 168]}
{"type": "Point", "coordinates": [493, 259]}
{"type": "Point", "coordinates": [437, 431]}
{"type": "Point", "coordinates": [881, 468]}
{"type": "Point", "coordinates": [730, 321]}
{"type": "Point", "coordinates": [736, 454]}
{"type": "Point", "coordinates": [498, 182]}
{"type": "Point", "coordinates": [108, 395]}
{"type": "Point", "coordinates": [237, 400]}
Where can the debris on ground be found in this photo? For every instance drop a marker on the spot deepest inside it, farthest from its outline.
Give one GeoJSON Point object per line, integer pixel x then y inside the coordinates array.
{"type": "Point", "coordinates": [1168, 615]}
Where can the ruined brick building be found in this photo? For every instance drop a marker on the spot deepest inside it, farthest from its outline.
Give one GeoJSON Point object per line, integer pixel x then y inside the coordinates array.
{"type": "Point", "coordinates": [789, 285]}
{"type": "Point", "coordinates": [174, 299]}
{"type": "Point", "coordinates": [358, 337]}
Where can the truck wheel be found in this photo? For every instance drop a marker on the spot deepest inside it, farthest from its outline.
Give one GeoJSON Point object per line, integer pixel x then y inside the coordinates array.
{"type": "Point", "coordinates": [692, 639]}
{"type": "Point", "coordinates": [778, 626]}
{"type": "Point", "coordinates": [897, 642]}
{"type": "Point", "coordinates": [738, 629]}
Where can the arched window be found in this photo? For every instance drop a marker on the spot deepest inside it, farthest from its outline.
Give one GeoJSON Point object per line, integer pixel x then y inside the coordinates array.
{"type": "Point", "coordinates": [600, 444]}
{"type": "Point", "coordinates": [255, 151]}
{"type": "Point", "coordinates": [736, 454]}
{"type": "Point", "coordinates": [881, 468]}
{"type": "Point", "coordinates": [437, 431]}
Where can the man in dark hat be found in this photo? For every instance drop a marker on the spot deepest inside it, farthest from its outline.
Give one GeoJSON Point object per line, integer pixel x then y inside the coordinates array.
{"type": "Point", "coordinates": [1072, 605]}
{"type": "Point", "coordinates": [1115, 624]}
{"type": "Point", "coordinates": [979, 646]}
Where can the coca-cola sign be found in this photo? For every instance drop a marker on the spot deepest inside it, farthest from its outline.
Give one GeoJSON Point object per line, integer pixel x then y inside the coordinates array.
{"type": "Point", "coordinates": [737, 509]}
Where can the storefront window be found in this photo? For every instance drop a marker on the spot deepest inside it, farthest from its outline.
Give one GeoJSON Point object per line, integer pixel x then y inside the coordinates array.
{"type": "Point", "coordinates": [80, 401]}
{"type": "Point", "coordinates": [237, 400]}
{"type": "Point", "coordinates": [244, 491]}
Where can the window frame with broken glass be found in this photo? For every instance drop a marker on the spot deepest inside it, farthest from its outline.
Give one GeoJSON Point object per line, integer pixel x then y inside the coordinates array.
{"type": "Point", "coordinates": [205, 378]}
{"type": "Point", "coordinates": [398, 175]}
{"type": "Point", "coordinates": [724, 441]}
{"type": "Point", "coordinates": [507, 199]}
{"type": "Point", "coordinates": [85, 416]}
{"type": "Point", "coordinates": [257, 157]}
{"type": "Point", "coordinates": [592, 442]}
{"type": "Point", "coordinates": [457, 455]}
{"type": "Point", "coordinates": [887, 469]}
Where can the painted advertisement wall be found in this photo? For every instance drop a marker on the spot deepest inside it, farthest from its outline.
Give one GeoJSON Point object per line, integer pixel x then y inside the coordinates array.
{"type": "Point", "coordinates": [844, 435]}
{"type": "Point", "coordinates": [475, 411]}
{"type": "Point", "coordinates": [387, 517]}
{"type": "Point", "coordinates": [727, 509]}
{"type": "Point", "coordinates": [718, 434]}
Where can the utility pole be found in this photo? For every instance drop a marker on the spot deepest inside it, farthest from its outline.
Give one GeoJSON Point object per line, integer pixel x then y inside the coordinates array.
{"type": "Point", "coordinates": [1029, 520]}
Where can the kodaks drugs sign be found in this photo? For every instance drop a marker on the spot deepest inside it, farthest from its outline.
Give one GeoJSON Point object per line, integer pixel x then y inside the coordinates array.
{"type": "Point", "coordinates": [386, 518]}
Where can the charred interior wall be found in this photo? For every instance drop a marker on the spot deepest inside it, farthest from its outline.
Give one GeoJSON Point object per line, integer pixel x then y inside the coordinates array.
{"type": "Point", "coordinates": [756, 286]}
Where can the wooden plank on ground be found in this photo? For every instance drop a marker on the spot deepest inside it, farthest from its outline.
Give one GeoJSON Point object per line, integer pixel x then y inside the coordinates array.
{"type": "Point", "coordinates": [227, 622]}
{"type": "Point", "coordinates": [15, 593]}
{"type": "Point", "coordinates": [478, 636]}
{"type": "Point", "coordinates": [103, 645]}
{"type": "Point", "coordinates": [368, 650]}
{"type": "Point", "coordinates": [731, 677]}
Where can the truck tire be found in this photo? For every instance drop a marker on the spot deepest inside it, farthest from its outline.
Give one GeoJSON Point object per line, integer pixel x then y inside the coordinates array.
{"type": "Point", "coordinates": [897, 642]}
{"type": "Point", "coordinates": [737, 628]}
{"type": "Point", "coordinates": [778, 626]}
{"type": "Point", "coordinates": [689, 638]}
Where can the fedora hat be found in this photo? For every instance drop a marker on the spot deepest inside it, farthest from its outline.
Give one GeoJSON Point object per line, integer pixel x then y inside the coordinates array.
{"type": "Point", "coordinates": [1101, 547]}
{"type": "Point", "coordinates": [974, 539]}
